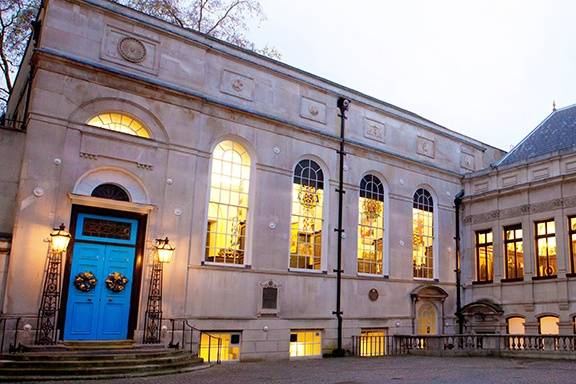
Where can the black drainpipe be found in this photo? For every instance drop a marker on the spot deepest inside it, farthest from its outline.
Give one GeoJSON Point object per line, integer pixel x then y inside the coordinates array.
{"type": "Point", "coordinates": [343, 105]}
{"type": "Point", "coordinates": [460, 319]}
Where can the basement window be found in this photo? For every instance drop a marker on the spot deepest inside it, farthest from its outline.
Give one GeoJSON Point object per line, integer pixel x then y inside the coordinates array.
{"type": "Point", "coordinates": [306, 343]}
{"type": "Point", "coordinates": [229, 346]}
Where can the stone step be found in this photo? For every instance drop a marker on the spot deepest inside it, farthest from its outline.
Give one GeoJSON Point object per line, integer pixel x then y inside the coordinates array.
{"type": "Point", "coordinates": [121, 375]}
{"type": "Point", "coordinates": [96, 361]}
{"type": "Point", "coordinates": [81, 371]}
{"type": "Point", "coordinates": [90, 355]}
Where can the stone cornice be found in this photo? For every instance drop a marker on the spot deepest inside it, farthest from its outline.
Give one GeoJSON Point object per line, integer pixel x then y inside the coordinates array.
{"type": "Point", "coordinates": [522, 210]}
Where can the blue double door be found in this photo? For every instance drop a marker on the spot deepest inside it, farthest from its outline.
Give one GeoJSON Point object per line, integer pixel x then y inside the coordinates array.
{"type": "Point", "coordinates": [101, 278]}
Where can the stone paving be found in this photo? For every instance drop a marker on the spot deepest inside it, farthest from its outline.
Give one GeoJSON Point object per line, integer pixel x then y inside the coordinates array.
{"type": "Point", "coordinates": [404, 369]}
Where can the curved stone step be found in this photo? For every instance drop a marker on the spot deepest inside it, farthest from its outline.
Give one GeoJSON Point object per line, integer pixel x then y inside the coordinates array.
{"type": "Point", "coordinates": [76, 377]}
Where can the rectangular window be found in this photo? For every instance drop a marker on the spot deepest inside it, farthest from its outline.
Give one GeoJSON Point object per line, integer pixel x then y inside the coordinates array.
{"type": "Point", "coordinates": [572, 234]}
{"type": "Point", "coordinates": [546, 248]}
{"type": "Point", "coordinates": [484, 256]}
{"type": "Point", "coordinates": [373, 342]}
{"type": "Point", "coordinates": [305, 343]}
{"type": "Point", "coordinates": [229, 346]}
{"type": "Point", "coordinates": [514, 252]}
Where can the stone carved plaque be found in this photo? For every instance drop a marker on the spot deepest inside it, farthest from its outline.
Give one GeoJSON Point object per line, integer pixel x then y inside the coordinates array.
{"type": "Point", "coordinates": [130, 50]}
{"type": "Point", "coordinates": [425, 146]}
{"type": "Point", "coordinates": [481, 186]}
{"type": "Point", "coordinates": [237, 85]}
{"type": "Point", "coordinates": [467, 161]}
{"type": "Point", "coordinates": [374, 130]}
{"type": "Point", "coordinates": [313, 110]}
{"type": "Point", "coordinates": [508, 180]}
{"type": "Point", "coordinates": [540, 173]}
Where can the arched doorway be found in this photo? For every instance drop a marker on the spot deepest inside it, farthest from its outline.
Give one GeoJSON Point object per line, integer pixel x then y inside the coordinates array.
{"type": "Point", "coordinates": [428, 310]}
{"type": "Point", "coordinates": [426, 320]}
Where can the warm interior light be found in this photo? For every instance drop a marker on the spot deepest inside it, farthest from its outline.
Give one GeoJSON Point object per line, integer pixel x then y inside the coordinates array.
{"type": "Point", "coordinates": [165, 250]}
{"type": "Point", "coordinates": [59, 239]}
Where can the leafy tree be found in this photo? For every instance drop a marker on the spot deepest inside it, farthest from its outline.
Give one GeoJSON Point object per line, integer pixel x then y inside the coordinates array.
{"type": "Point", "coordinates": [227, 20]}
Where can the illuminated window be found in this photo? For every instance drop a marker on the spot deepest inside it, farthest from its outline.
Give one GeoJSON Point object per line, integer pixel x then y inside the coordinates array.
{"type": "Point", "coordinates": [120, 123]}
{"type": "Point", "coordinates": [484, 256]}
{"type": "Point", "coordinates": [370, 225]}
{"type": "Point", "coordinates": [548, 325]}
{"type": "Point", "coordinates": [423, 234]}
{"type": "Point", "coordinates": [514, 252]}
{"type": "Point", "coordinates": [572, 234]}
{"type": "Point", "coordinates": [228, 206]}
{"type": "Point", "coordinates": [305, 343]}
{"type": "Point", "coordinates": [515, 325]}
{"type": "Point", "coordinates": [307, 218]}
{"type": "Point", "coordinates": [373, 342]}
{"type": "Point", "coordinates": [229, 346]}
{"type": "Point", "coordinates": [546, 248]}
{"type": "Point", "coordinates": [426, 322]}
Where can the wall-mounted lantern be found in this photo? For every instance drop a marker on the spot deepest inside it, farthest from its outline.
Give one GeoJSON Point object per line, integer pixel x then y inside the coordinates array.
{"type": "Point", "coordinates": [59, 239]}
{"type": "Point", "coordinates": [52, 285]}
{"type": "Point", "coordinates": [165, 250]}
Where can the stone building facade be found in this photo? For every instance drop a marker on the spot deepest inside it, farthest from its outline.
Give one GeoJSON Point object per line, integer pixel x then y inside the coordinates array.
{"type": "Point", "coordinates": [127, 129]}
{"type": "Point", "coordinates": [524, 207]}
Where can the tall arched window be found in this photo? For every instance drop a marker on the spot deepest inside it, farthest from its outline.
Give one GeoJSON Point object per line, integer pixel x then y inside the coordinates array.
{"type": "Point", "coordinates": [307, 216]}
{"type": "Point", "coordinates": [228, 205]}
{"type": "Point", "coordinates": [548, 325]}
{"type": "Point", "coordinates": [119, 122]}
{"type": "Point", "coordinates": [370, 225]}
{"type": "Point", "coordinates": [423, 234]}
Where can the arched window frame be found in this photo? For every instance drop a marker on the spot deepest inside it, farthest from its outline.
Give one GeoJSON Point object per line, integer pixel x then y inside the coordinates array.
{"type": "Point", "coordinates": [383, 197]}
{"type": "Point", "coordinates": [325, 218]}
{"type": "Point", "coordinates": [435, 250]}
{"type": "Point", "coordinates": [247, 257]}
{"type": "Point", "coordinates": [551, 316]}
{"type": "Point", "coordinates": [139, 129]}
{"type": "Point", "coordinates": [512, 317]}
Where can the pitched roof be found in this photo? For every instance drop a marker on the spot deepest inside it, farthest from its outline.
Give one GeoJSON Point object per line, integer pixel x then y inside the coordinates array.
{"type": "Point", "coordinates": [555, 134]}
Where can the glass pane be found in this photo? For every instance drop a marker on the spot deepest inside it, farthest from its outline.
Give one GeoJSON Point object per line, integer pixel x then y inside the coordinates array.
{"type": "Point", "coordinates": [541, 228]}
{"type": "Point", "coordinates": [228, 206]}
{"type": "Point", "coordinates": [516, 326]}
{"type": "Point", "coordinates": [549, 325]}
{"type": "Point", "coordinates": [489, 237]}
{"type": "Point", "coordinates": [551, 227]}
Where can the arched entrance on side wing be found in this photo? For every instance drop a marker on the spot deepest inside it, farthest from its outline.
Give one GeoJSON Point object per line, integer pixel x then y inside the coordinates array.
{"type": "Point", "coordinates": [428, 310]}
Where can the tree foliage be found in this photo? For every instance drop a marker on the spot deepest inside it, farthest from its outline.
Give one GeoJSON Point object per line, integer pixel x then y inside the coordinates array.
{"type": "Point", "coordinates": [228, 20]}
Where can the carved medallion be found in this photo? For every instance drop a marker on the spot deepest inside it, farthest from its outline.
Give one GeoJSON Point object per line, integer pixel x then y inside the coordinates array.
{"type": "Point", "coordinates": [132, 50]}
{"type": "Point", "coordinates": [373, 294]}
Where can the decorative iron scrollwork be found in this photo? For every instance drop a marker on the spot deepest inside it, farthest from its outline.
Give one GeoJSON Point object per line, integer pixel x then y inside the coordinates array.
{"type": "Point", "coordinates": [85, 281]}
{"type": "Point", "coordinates": [116, 282]}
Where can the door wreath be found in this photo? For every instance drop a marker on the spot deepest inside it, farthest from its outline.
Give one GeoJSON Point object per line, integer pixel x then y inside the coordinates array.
{"type": "Point", "coordinates": [85, 281]}
{"type": "Point", "coordinates": [116, 282]}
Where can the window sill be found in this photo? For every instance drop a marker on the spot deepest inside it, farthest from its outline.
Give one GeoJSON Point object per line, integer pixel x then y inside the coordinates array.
{"type": "Point", "coordinates": [225, 265]}
{"type": "Point", "coordinates": [512, 280]}
{"type": "Point", "coordinates": [372, 275]}
{"type": "Point", "coordinates": [425, 279]}
{"type": "Point", "coordinates": [310, 271]}
{"type": "Point", "coordinates": [485, 282]}
{"type": "Point", "coordinates": [544, 277]}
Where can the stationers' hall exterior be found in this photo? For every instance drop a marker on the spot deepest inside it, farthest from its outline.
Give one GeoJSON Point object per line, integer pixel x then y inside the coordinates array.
{"type": "Point", "coordinates": [140, 137]}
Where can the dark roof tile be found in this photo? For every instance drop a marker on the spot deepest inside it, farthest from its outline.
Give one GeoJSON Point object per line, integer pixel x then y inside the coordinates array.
{"type": "Point", "coordinates": [555, 134]}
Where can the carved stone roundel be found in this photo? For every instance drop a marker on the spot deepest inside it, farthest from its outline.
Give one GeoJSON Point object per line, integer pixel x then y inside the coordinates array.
{"type": "Point", "coordinates": [132, 50]}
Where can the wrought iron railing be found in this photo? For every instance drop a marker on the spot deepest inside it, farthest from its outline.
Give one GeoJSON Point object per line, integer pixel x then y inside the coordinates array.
{"type": "Point", "coordinates": [187, 337]}
{"type": "Point", "coordinates": [467, 345]}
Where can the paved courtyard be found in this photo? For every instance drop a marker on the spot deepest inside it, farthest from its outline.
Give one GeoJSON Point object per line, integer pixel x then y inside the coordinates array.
{"type": "Point", "coordinates": [405, 369]}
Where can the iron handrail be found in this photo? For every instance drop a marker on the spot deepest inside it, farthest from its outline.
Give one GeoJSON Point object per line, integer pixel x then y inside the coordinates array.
{"type": "Point", "coordinates": [188, 329]}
